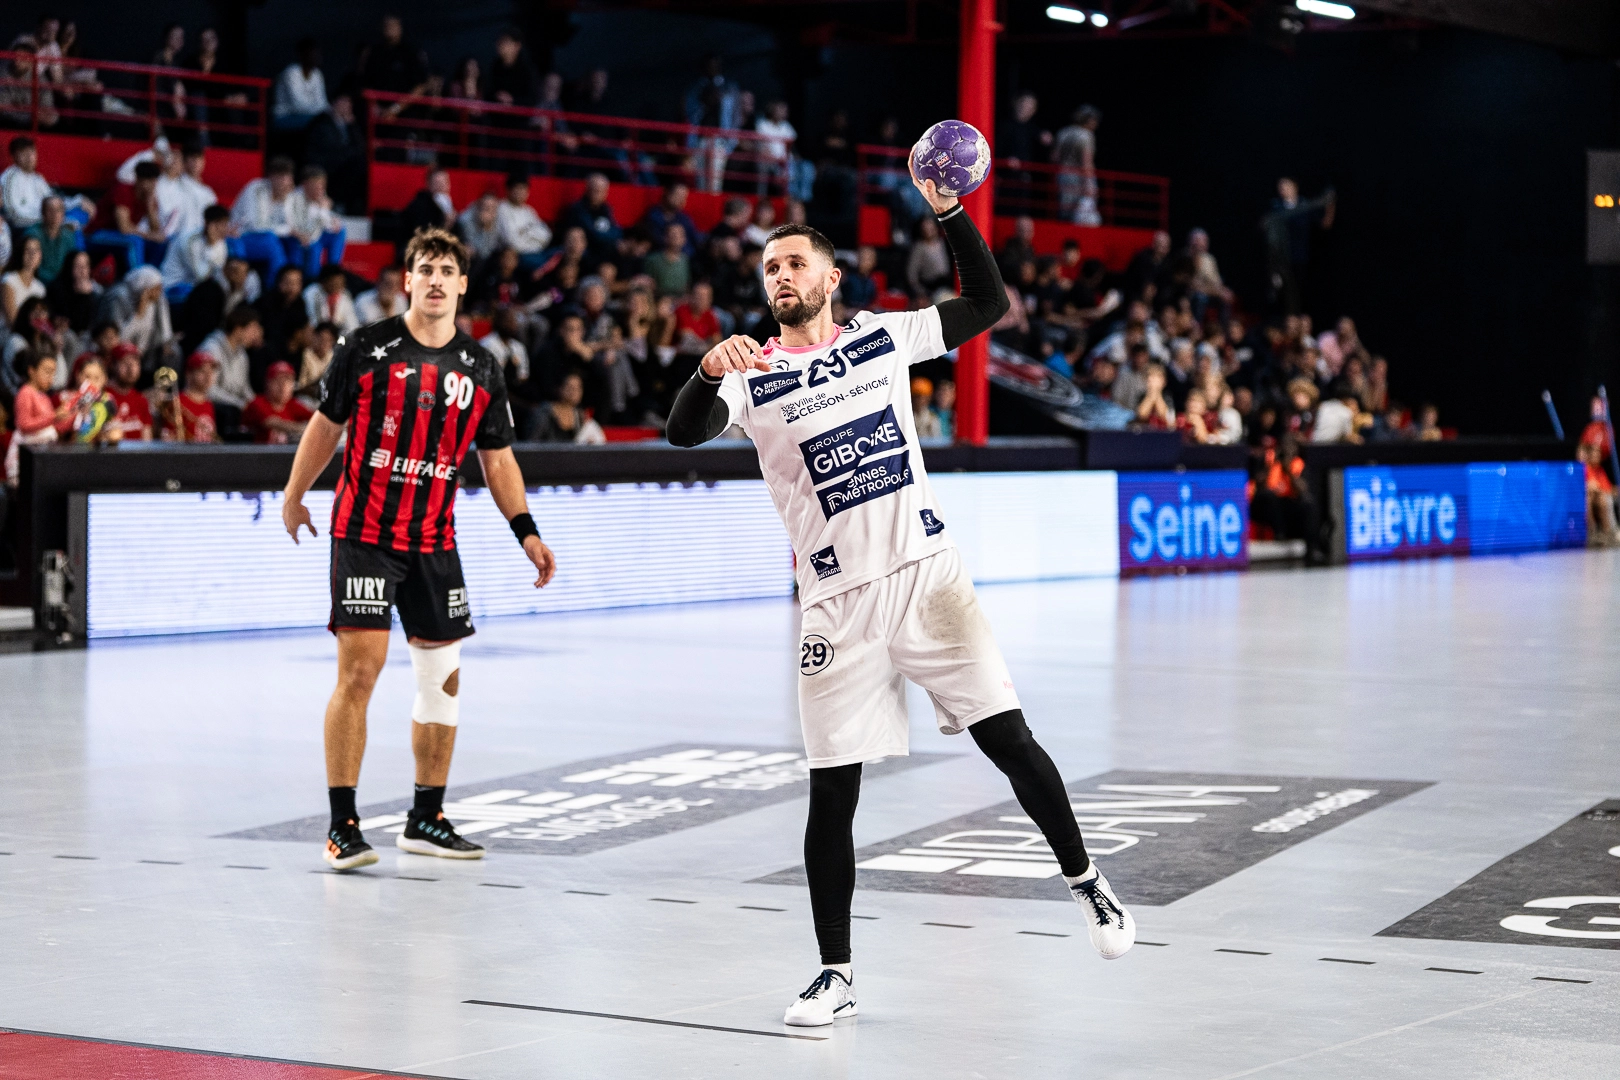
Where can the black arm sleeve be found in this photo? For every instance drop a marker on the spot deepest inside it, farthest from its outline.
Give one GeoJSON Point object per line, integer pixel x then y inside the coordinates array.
{"type": "Point", "coordinates": [698, 414]}
{"type": "Point", "coordinates": [984, 297]}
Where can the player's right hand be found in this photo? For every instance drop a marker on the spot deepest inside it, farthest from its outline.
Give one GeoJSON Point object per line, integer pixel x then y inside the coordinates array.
{"type": "Point", "coordinates": [737, 353]}
{"type": "Point", "coordinates": [295, 515]}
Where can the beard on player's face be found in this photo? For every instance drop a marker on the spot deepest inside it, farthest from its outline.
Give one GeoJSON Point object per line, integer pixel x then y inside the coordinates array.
{"type": "Point", "coordinates": [798, 309]}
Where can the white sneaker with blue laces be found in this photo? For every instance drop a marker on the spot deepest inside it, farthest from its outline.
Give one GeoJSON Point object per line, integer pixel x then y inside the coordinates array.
{"type": "Point", "coordinates": [831, 997]}
{"type": "Point", "coordinates": [1113, 931]}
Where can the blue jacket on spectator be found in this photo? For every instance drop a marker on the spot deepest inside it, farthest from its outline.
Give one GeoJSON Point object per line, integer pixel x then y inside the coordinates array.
{"type": "Point", "coordinates": [658, 219]}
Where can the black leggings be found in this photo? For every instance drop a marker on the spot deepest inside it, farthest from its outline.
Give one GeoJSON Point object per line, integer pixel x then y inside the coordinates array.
{"type": "Point", "coordinates": [829, 846]}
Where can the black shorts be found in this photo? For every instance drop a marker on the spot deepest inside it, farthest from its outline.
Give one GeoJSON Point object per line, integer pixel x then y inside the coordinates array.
{"type": "Point", "coordinates": [426, 586]}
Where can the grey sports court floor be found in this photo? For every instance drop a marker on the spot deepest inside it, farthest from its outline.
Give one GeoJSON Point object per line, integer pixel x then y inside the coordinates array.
{"type": "Point", "coordinates": [1428, 747]}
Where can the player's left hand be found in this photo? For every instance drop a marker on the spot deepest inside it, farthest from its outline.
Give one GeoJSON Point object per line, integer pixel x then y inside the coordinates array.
{"type": "Point", "coordinates": [930, 191]}
{"type": "Point", "coordinates": [544, 561]}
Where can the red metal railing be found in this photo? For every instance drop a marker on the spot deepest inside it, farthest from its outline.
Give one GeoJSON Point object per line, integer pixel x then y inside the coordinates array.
{"type": "Point", "coordinates": [1134, 200]}
{"type": "Point", "coordinates": [140, 101]}
{"type": "Point", "coordinates": [454, 132]}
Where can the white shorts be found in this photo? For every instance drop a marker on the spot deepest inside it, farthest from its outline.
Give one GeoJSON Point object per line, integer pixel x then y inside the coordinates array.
{"type": "Point", "coordinates": [858, 648]}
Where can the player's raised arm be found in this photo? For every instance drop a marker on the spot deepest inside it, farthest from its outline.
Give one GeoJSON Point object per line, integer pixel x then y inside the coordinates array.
{"type": "Point", "coordinates": [984, 297]}
{"type": "Point", "coordinates": [700, 413]}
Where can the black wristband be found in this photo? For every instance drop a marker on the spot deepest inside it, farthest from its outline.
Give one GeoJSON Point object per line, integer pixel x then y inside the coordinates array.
{"type": "Point", "coordinates": [523, 527]}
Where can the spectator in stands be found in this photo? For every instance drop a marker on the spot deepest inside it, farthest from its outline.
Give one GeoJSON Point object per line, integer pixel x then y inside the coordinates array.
{"type": "Point", "coordinates": [33, 329]}
{"type": "Point", "coordinates": [557, 134]}
{"type": "Point", "coordinates": [22, 189]}
{"type": "Point", "coordinates": [669, 267]}
{"type": "Point", "coordinates": [189, 416]}
{"type": "Point", "coordinates": [1206, 287]}
{"type": "Point", "coordinates": [858, 288]}
{"type": "Point", "coordinates": [1020, 137]}
{"type": "Point", "coordinates": [275, 416]}
{"type": "Point", "coordinates": [499, 285]}
{"type": "Point", "coordinates": [1428, 425]}
{"type": "Point", "coordinates": [128, 219]}
{"type": "Point", "coordinates": [184, 197]}
{"type": "Point", "coordinates": [1194, 420]}
{"type": "Point", "coordinates": [283, 314]}
{"type": "Point", "coordinates": [1098, 379]}
{"type": "Point", "coordinates": [386, 300]}
{"type": "Point", "coordinates": [1019, 248]}
{"type": "Point", "coordinates": [1302, 399]}
{"type": "Point", "coordinates": [1288, 228]}
{"type": "Point", "coordinates": [328, 300]}
{"type": "Point", "coordinates": [75, 295]}
{"type": "Point", "coordinates": [776, 149]}
{"type": "Point", "coordinates": [210, 301]}
{"type": "Point", "coordinates": [1593, 451]}
{"type": "Point", "coordinates": [697, 329]}
{"type": "Point", "coordinates": [1337, 418]}
{"type": "Point", "coordinates": [1075, 153]}
{"type": "Point", "coordinates": [923, 416]}
{"type": "Point", "coordinates": [316, 227]}
{"type": "Point", "coordinates": [132, 412]}
{"type": "Point", "coordinates": [764, 221]}
{"type": "Point", "coordinates": [57, 237]}
{"type": "Point", "coordinates": [563, 420]}
{"type": "Point", "coordinates": [1130, 384]}
{"type": "Point", "coordinates": [1282, 499]}
{"type": "Point", "coordinates": [228, 346]}
{"type": "Point", "coordinates": [300, 89]}
{"type": "Point", "coordinates": [193, 259]}
{"type": "Point", "coordinates": [518, 227]}
{"type": "Point", "coordinates": [671, 210]}
{"type": "Point", "coordinates": [21, 282]}
{"type": "Point", "coordinates": [593, 213]}
{"type": "Point", "coordinates": [429, 208]}
{"type": "Point", "coordinates": [512, 77]}
{"type": "Point", "coordinates": [711, 102]}
{"type": "Point", "coordinates": [944, 407]}
{"type": "Point", "coordinates": [263, 216]}
{"type": "Point", "coordinates": [505, 342]}
{"type": "Point", "coordinates": [335, 142]}
{"type": "Point", "coordinates": [479, 228]}
{"type": "Point", "coordinates": [89, 405]}
{"type": "Point", "coordinates": [1146, 267]}
{"type": "Point", "coordinates": [37, 418]}
{"type": "Point", "coordinates": [313, 362]}
{"type": "Point", "coordinates": [393, 65]}
{"type": "Point", "coordinates": [1154, 412]}
{"type": "Point", "coordinates": [928, 266]}
{"type": "Point", "coordinates": [17, 93]}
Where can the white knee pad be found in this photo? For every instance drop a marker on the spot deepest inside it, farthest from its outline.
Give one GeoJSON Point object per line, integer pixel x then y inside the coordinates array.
{"type": "Point", "coordinates": [433, 667]}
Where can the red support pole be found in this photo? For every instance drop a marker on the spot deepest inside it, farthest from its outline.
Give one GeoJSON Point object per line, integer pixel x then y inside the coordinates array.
{"type": "Point", "coordinates": [976, 104]}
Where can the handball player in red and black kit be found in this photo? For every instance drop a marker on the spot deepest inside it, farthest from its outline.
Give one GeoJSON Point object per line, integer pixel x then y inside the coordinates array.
{"type": "Point", "coordinates": [414, 394]}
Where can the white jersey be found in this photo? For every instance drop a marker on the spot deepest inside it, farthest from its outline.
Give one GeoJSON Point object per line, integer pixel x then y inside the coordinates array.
{"type": "Point", "coordinates": [838, 447]}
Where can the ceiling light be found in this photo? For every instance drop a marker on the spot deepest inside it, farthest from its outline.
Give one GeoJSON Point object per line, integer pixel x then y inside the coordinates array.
{"type": "Point", "coordinates": [1066, 14]}
{"type": "Point", "coordinates": [1325, 8]}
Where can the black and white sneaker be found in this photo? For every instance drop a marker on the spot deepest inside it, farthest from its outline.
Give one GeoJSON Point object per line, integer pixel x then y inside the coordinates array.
{"type": "Point", "coordinates": [437, 837]}
{"type": "Point", "coordinates": [1113, 930]}
{"type": "Point", "coordinates": [830, 997]}
{"type": "Point", "coordinates": [346, 849]}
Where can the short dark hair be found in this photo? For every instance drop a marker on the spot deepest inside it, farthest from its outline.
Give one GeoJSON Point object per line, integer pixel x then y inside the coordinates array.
{"type": "Point", "coordinates": [434, 243]}
{"type": "Point", "coordinates": [19, 144]}
{"type": "Point", "coordinates": [215, 213]}
{"type": "Point", "coordinates": [818, 242]}
{"type": "Point", "coordinates": [147, 170]}
{"type": "Point", "coordinates": [311, 172]}
{"type": "Point", "coordinates": [102, 327]}
{"type": "Point", "coordinates": [241, 315]}
{"type": "Point", "coordinates": [513, 179]}
{"type": "Point", "coordinates": [26, 361]}
{"type": "Point", "coordinates": [280, 165]}
{"type": "Point", "coordinates": [193, 148]}
{"type": "Point", "coordinates": [330, 271]}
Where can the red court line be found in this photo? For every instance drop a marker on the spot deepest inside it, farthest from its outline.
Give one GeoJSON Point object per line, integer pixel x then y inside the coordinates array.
{"type": "Point", "coordinates": [28, 1055]}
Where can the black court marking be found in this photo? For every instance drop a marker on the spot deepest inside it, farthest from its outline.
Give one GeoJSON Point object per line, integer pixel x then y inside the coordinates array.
{"type": "Point", "coordinates": [668, 900]}
{"type": "Point", "coordinates": [1549, 978]}
{"type": "Point", "coordinates": [873, 918]}
{"type": "Point", "coordinates": [645, 1020]}
{"type": "Point", "coordinates": [1160, 836]}
{"type": "Point", "coordinates": [586, 892]}
{"type": "Point", "coordinates": [1562, 889]}
{"type": "Point", "coordinates": [1455, 971]}
{"type": "Point", "coordinates": [751, 907]}
{"type": "Point", "coordinates": [1041, 933]}
{"type": "Point", "coordinates": [1245, 952]}
{"type": "Point", "coordinates": [408, 877]}
{"type": "Point", "coordinates": [161, 862]}
{"type": "Point", "coordinates": [497, 885]}
{"type": "Point", "coordinates": [238, 866]}
{"type": "Point", "coordinates": [952, 925]}
{"type": "Point", "coordinates": [80, 858]}
{"type": "Point", "coordinates": [1157, 944]}
{"type": "Point", "coordinates": [605, 802]}
{"type": "Point", "coordinates": [359, 1070]}
{"type": "Point", "coordinates": [1342, 960]}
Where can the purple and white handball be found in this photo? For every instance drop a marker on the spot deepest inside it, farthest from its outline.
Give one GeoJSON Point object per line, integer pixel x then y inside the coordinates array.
{"type": "Point", "coordinates": [954, 155]}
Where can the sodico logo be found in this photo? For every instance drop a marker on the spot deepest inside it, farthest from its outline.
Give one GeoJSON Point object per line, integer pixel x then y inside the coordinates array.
{"type": "Point", "coordinates": [1184, 531]}
{"type": "Point", "coordinates": [1384, 518]}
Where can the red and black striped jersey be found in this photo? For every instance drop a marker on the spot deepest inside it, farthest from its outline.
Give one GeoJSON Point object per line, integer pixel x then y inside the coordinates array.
{"type": "Point", "coordinates": [412, 414]}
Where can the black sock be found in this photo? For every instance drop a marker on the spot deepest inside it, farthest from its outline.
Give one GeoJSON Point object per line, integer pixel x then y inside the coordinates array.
{"type": "Point", "coordinates": [1006, 741]}
{"type": "Point", "coordinates": [829, 856]}
{"type": "Point", "coordinates": [342, 800]}
{"type": "Point", "coordinates": [429, 802]}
